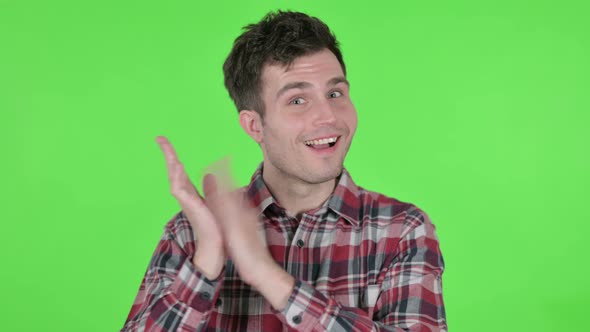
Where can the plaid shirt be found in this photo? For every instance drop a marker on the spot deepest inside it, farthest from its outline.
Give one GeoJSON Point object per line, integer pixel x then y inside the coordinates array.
{"type": "Point", "coordinates": [362, 262]}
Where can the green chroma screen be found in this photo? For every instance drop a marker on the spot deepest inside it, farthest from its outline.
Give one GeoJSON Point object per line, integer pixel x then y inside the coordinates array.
{"type": "Point", "coordinates": [476, 111]}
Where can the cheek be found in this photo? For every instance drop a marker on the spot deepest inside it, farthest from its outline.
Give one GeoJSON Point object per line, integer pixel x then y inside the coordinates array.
{"type": "Point", "coordinates": [291, 129]}
{"type": "Point", "coordinates": [280, 137]}
{"type": "Point", "coordinates": [351, 119]}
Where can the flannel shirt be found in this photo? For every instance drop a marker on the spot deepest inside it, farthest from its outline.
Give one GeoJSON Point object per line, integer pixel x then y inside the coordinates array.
{"type": "Point", "coordinates": [362, 262]}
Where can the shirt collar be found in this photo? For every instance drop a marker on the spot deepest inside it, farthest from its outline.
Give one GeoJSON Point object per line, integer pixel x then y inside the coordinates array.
{"type": "Point", "coordinates": [344, 201]}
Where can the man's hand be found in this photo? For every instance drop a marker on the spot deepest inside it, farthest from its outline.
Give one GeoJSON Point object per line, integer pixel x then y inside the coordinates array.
{"type": "Point", "coordinates": [244, 238]}
{"type": "Point", "coordinates": [225, 222]}
{"type": "Point", "coordinates": [239, 223]}
{"type": "Point", "coordinates": [210, 254]}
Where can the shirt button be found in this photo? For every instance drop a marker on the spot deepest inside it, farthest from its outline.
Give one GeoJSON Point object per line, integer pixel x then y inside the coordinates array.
{"type": "Point", "coordinates": [205, 296]}
{"type": "Point", "coordinates": [297, 319]}
{"type": "Point", "coordinates": [300, 243]}
{"type": "Point", "coordinates": [218, 302]}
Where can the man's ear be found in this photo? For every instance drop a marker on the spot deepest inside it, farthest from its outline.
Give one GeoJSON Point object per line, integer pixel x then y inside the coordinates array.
{"type": "Point", "coordinates": [251, 122]}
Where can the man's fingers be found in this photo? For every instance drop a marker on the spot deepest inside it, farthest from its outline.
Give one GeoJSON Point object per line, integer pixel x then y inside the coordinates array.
{"type": "Point", "coordinates": [173, 165]}
{"type": "Point", "coordinates": [180, 184]}
{"type": "Point", "coordinates": [167, 149]}
{"type": "Point", "coordinates": [223, 179]}
{"type": "Point", "coordinates": [209, 185]}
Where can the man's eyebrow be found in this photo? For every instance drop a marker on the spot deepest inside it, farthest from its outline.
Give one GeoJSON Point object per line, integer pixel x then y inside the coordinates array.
{"type": "Point", "coordinates": [339, 79]}
{"type": "Point", "coordinates": [292, 85]}
{"type": "Point", "coordinates": [303, 85]}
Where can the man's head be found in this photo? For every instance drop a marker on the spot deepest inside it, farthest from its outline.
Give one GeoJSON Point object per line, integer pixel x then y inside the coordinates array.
{"type": "Point", "coordinates": [288, 80]}
{"type": "Point", "coordinates": [279, 38]}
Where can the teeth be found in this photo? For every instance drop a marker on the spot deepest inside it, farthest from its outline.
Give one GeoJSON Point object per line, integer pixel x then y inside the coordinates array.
{"type": "Point", "coordinates": [321, 141]}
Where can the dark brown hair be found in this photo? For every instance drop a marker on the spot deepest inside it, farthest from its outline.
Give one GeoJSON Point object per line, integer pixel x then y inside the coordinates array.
{"type": "Point", "coordinates": [279, 38]}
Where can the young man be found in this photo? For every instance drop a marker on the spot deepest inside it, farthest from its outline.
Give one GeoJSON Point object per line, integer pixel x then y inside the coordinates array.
{"type": "Point", "coordinates": [333, 256]}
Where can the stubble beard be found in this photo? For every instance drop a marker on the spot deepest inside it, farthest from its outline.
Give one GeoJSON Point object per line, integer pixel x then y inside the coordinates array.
{"type": "Point", "coordinates": [306, 174]}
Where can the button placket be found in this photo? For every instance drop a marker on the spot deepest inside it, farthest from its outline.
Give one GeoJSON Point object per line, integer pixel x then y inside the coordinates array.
{"type": "Point", "coordinates": [297, 243]}
{"type": "Point", "coordinates": [298, 239]}
{"type": "Point", "coordinates": [291, 252]}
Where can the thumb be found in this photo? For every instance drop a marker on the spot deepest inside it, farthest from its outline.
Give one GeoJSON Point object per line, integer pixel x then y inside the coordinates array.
{"type": "Point", "coordinates": [209, 185]}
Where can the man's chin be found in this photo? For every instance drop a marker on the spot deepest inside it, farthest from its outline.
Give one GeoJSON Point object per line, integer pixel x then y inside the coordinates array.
{"type": "Point", "coordinates": [322, 176]}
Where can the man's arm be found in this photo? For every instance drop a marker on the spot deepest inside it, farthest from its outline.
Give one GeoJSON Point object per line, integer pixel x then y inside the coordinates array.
{"type": "Point", "coordinates": [174, 295]}
{"type": "Point", "coordinates": [410, 297]}
{"type": "Point", "coordinates": [411, 287]}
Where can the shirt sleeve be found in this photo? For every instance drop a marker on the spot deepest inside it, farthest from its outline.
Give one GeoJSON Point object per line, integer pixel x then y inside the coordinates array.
{"type": "Point", "coordinates": [174, 295]}
{"type": "Point", "coordinates": [409, 299]}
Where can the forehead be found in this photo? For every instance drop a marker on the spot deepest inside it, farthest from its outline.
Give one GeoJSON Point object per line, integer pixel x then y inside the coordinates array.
{"type": "Point", "coordinates": [317, 68]}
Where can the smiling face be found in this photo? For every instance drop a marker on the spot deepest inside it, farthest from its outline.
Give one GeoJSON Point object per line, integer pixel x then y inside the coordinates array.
{"type": "Point", "coordinates": [309, 119]}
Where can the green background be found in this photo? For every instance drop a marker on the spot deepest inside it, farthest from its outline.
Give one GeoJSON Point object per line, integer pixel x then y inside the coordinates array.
{"type": "Point", "coordinates": [476, 111]}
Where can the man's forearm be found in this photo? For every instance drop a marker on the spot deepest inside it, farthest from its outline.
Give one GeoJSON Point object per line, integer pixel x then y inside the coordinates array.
{"type": "Point", "coordinates": [275, 284]}
{"type": "Point", "coordinates": [173, 299]}
{"type": "Point", "coordinates": [209, 261]}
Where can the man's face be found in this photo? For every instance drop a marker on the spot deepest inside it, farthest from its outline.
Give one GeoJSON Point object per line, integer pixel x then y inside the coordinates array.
{"type": "Point", "coordinates": [309, 119]}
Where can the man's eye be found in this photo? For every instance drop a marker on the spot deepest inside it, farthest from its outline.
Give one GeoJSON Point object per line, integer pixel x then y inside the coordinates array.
{"type": "Point", "coordinates": [297, 101]}
{"type": "Point", "coordinates": [335, 94]}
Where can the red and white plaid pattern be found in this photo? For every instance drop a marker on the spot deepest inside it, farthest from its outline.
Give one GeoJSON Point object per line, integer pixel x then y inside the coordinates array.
{"type": "Point", "coordinates": [362, 262]}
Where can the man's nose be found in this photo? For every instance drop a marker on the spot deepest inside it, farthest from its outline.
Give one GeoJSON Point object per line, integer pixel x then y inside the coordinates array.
{"type": "Point", "coordinates": [324, 113]}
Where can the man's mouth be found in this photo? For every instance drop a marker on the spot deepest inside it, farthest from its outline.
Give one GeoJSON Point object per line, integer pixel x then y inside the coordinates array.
{"type": "Point", "coordinates": [323, 143]}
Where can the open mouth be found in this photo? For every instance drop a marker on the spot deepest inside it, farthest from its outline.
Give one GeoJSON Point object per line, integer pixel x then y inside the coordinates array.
{"type": "Point", "coordinates": [324, 143]}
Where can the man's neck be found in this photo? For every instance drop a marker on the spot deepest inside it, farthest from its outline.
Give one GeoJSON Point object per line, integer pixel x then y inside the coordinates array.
{"type": "Point", "coordinates": [294, 195]}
